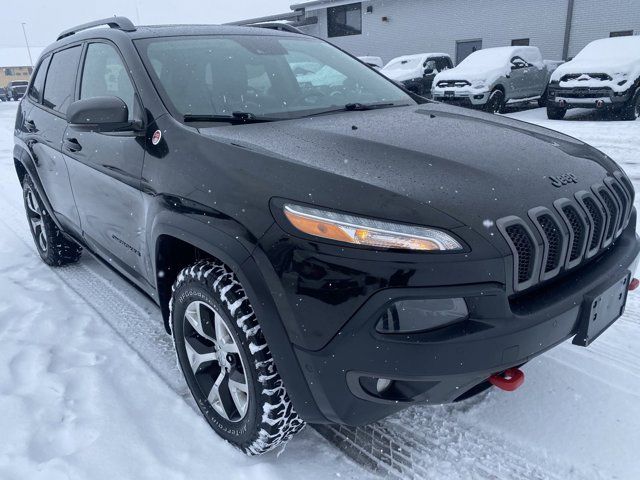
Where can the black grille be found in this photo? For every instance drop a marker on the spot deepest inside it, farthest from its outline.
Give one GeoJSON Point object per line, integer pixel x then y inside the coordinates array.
{"type": "Point", "coordinates": [523, 244]}
{"type": "Point", "coordinates": [574, 231]}
{"type": "Point", "coordinates": [612, 209]}
{"type": "Point", "coordinates": [554, 236]}
{"type": "Point", "coordinates": [579, 232]}
{"type": "Point", "coordinates": [597, 223]}
{"type": "Point", "coordinates": [453, 83]}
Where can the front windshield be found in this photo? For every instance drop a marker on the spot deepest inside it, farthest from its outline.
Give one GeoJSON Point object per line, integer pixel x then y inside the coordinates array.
{"type": "Point", "coordinates": [617, 49]}
{"type": "Point", "coordinates": [404, 64]}
{"type": "Point", "coordinates": [266, 76]}
{"type": "Point", "coordinates": [483, 59]}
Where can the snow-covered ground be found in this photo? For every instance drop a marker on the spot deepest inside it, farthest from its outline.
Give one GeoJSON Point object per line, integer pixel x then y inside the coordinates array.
{"type": "Point", "coordinates": [89, 388]}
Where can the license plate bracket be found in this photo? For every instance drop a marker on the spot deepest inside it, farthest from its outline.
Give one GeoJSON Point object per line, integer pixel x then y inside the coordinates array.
{"type": "Point", "coordinates": [600, 311]}
{"type": "Point", "coordinates": [449, 93]}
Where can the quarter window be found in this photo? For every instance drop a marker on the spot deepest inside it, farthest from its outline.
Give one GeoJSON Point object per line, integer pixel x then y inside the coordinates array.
{"type": "Point", "coordinates": [344, 20]}
{"type": "Point", "coordinates": [35, 91]}
{"type": "Point", "coordinates": [61, 79]}
{"type": "Point", "coordinates": [104, 75]}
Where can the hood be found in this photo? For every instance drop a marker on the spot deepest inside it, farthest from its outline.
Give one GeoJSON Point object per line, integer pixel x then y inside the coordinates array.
{"type": "Point", "coordinates": [612, 67]}
{"type": "Point", "coordinates": [472, 166]}
{"type": "Point", "coordinates": [403, 75]}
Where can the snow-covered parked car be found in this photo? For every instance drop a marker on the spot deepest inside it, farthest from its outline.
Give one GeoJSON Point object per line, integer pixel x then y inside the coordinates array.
{"type": "Point", "coordinates": [374, 62]}
{"type": "Point", "coordinates": [605, 74]}
{"type": "Point", "coordinates": [494, 77]}
{"type": "Point", "coordinates": [416, 72]}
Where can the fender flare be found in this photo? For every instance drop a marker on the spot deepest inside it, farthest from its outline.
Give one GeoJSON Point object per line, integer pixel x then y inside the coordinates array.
{"type": "Point", "coordinates": [22, 155]}
{"type": "Point", "coordinates": [236, 256]}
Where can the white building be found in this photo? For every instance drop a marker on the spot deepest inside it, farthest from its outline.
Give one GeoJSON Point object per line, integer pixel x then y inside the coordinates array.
{"type": "Point", "coordinates": [389, 28]}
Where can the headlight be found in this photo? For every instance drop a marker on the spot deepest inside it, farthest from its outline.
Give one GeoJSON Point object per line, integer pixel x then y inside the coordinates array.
{"type": "Point", "coordinates": [368, 232]}
{"type": "Point", "coordinates": [479, 85]}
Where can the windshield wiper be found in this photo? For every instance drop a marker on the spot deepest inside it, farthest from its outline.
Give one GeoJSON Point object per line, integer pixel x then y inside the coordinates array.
{"type": "Point", "coordinates": [358, 107]}
{"type": "Point", "coordinates": [235, 117]}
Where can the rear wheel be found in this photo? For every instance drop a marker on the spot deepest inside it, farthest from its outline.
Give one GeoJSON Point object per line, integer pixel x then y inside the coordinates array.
{"type": "Point", "coordinates": [631, 111]}
{"type": "Point", "coordinates": [54, 248]}
{"type": "Point", "coordinates": [496, 102]}
{"type": "Point", "coordinates": [555, 113]}
{"type": "Point", "coordinates": [227, 362]}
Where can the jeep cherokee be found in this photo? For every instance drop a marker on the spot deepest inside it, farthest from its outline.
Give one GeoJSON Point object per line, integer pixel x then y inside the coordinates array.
{"type": "Point", "coordinates": [321, 252]}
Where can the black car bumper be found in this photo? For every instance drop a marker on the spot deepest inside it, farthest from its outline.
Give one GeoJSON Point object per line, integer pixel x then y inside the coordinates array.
{"type": "Point", "coordinates": [342, 355]}
{"type": "Point", "coordinates": [587, 97]}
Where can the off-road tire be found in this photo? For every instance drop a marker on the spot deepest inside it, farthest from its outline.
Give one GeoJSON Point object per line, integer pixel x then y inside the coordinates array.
{"type": "Point", "coordinates": [56, 249]}
{"type": "Point", "coordinates": [631, 111]}
{"type": "Point", "coordinates": [270, 418]}
{"type": "Point", "coordinates": [555, 113]}
{"type": "Point", "coordinates": [496, 102]}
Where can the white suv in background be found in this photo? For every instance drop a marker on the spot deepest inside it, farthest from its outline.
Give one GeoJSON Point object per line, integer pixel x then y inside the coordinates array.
{"type": "Point", "coordinates": [494, 77]}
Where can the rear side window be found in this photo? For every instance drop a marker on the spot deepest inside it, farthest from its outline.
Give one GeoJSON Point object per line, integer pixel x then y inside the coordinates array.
{"type": "Point", "coordinates": [61, 78]}
{"type": "Point", "coordinates": [104, 75]}
{"type": "Point", "coordinates": [35, 91]}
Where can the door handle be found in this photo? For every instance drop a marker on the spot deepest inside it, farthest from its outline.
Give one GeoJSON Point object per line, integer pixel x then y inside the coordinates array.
{"type": "Point", "coordinates": [30, 125]}
{"type": "Point", "coordinates": [72, 145]}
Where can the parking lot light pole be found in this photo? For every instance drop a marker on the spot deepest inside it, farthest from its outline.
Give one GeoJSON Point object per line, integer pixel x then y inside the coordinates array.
{"type": "Point", "coordinates": [27, 42]}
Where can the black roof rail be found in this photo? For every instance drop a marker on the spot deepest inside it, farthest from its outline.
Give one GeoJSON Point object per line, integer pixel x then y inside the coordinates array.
{"type": "Point", "coordinates": [283, 27]}
{"type": "Point", "coordinates": [120, 23]}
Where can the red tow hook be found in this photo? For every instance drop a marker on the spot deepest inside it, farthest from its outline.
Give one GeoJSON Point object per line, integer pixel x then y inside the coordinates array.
{"type": "Point", "coordinates": [509, 380]}
{"type": "Point", "coordinates": [634, 284]}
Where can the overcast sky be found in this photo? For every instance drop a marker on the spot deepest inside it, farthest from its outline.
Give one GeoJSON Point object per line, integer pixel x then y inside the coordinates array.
{"type": "Point", "coordinates": [46, 18]}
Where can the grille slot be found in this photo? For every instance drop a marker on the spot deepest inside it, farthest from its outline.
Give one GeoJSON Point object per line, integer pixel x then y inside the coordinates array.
{"type": "Point", "coordinates": [612, 210]}
{"type": "Point", "coordinates": [626, 207]}
{"type": "Point", "coordinates": [551, 230]}
{"type": "Point", "coordinates": [597, 223]}
{"type": "Point", "coordinates": [523, 244]}
{"type": "Point", "coordinates": [579, 232]}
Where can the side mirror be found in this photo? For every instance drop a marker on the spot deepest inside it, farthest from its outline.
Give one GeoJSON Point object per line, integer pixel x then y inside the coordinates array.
{"type": "Point", "coordinates": [102, 114]}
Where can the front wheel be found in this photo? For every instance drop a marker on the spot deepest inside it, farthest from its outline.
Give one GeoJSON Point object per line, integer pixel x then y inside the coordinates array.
{"type": "Point", "coordinates": [496, 102]}
{"type": "Point", "coordinates": [631, 110]}
{"type": "Point", "coordinates": [54, 248]}
{"type": "Point", "coordinates": [555, 113]}
{"type": "Point", "coordinates": [542, 101]}
{"type": "Point", "coordinates": [226, 360]}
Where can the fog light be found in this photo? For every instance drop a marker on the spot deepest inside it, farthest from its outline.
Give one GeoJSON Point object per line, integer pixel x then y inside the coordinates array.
{"type": "Point", "coordinates": [383, 384]}
{"type": "Point", "coordinates": [413, 316]}
{"type": "Point", "coordinates": [478, 97]}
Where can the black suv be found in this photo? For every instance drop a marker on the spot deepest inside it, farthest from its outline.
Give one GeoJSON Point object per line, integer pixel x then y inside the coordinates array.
{"type": "Point", "coordinates": [324, 246]}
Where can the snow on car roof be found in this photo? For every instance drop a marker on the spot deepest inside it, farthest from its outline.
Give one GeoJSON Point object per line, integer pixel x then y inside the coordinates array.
{"type": "Point", "coordinates": [619, 48]}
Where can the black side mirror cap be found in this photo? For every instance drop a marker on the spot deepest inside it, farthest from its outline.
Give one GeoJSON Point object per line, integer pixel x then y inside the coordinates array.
{"type": "Point", "coordinates": [102, 114]}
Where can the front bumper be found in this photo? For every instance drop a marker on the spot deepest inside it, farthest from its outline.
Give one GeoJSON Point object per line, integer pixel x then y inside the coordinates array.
{"type": "Point", "coordinates": [587, 97]}
{"type": "Point", "coordinates": [440, 366]}
{"type": "Point", "coordinates": [461, 97]}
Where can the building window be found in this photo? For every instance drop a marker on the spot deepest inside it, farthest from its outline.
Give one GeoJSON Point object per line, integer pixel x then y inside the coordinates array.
{"type": "Point", "coordinates": [520, 42]}
{"type": "Point", "coordinates": [622, 33]}
{"type": "Point", "coordinates": [344, 20]}
{"type": "Point", "coordinates": [8, 72]}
